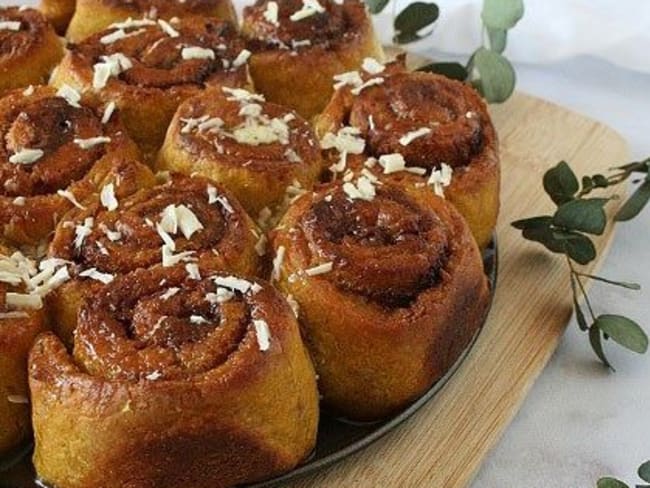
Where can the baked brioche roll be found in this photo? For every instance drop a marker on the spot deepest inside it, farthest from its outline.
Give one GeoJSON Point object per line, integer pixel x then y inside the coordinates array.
{"type": "Point", "coordinates": [390, 290]}
{"type": "Point", "coordinates": [57, 152]}
{"type": "Point", "coordinates": [423, 129]}
{"type": "Point", "coordinates": [58, 12]}
{"type": "Point", "coordinates": [92, 16]}
{"type": "Point", "coordinates": [189, 220]}
{"type": "Point", "coordinates": [29, 48]}
{"type": "Point", "coordinates": [21, 319]}
{"type": "Point", "coordinates": [264, 153]}
{"type": "Point", "coordinates": [148, 68]}
{"type": "Point", "coordinates": [174, 382]}
{"type": "Point", "coordinates": [298, 46]}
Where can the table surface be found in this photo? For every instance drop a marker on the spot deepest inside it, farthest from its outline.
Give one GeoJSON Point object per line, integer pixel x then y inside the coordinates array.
{"type": "Point", "coordinates": [581, 422]}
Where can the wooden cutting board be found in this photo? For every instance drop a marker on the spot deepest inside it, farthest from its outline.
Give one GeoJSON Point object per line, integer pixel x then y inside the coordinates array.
{"type": "Point", "coordinates": [443, 445]}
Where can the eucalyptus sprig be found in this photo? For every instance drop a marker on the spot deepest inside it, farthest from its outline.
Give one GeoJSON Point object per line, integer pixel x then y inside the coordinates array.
{"type": "Point", "coordinates": [580, 215]}
{"type": "Point", "coordinates": [643, 472]}
{"type": "Point", "coordinates": [487, 69]}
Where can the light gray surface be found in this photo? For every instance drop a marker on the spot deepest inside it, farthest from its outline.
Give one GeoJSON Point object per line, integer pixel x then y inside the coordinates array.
{"type": "Point", "coordinates": [580, 422]}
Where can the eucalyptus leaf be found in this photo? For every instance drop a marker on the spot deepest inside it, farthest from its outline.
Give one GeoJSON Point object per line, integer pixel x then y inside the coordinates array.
{"type": "Point", "coordinates": [611, 483]}
{"type": "Point", "coordinates": [455, 71]}
{"type": "Point", "coordinates": [533, 222]}
{"type": "Point", "coordinates": [644, 471]}
{"type": "Point", "coordinates": [376, 6]}
{"type": "Point", "coordinates": [544, 235]}
{"type": "Point", "coordinates": [415, 17]}
{"type": "Point", "coordinates": [580, 249]}
{"type": "Point", "coordinates": [624, 331]}
{"type": "Point", "coordinates": [496, 76]}
{"type": "Point", "coordinates": [633, 206]}
{"type": "Point", "coordinates": [596, 342]}
{"type": "Point", "coordinates": [408, 37]}
{"type": "Point", "coordinates": [502, 14]}
{"type": "Point", "coordinates": [585, 215]}
{"type": "Point", "coordinates": [498, 39]}
{"type": "Point", "coordinates": [560, 183]}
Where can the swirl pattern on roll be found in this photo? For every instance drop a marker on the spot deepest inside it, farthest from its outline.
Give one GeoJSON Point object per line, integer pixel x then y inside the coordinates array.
{"type": "Point", "coordinates": [299, 46]}
{"type": "Point", "coordinates": [389, 286]}
{"type": "Point", "coordinates": [173, 372]}
{"type": "Point", "coordinates": [388, 249]}
{"type": "Point", "coordinates": [29, 48]}
{"type": "Point", "coordinates": [258, 150]}
{"type": "Point", "coordinates": [186, 220]}
{"type": "Point", "coordinates": [148, 68]}
{"type": "Point", "coordinates": [55, 152]}
{"type": "Point", "coordinates": [92, 16]}
{"type": "Point", "coordinates": [415, 129]}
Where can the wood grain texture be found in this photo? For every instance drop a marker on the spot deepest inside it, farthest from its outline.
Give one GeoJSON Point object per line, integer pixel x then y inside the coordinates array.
{"type": "Point", "coordinates": [444, 443]}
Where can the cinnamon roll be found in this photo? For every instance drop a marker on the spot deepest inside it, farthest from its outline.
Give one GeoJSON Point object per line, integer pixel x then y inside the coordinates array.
{"type": "Point", "coordinates": [418, 129]}
{"type": "Point", "coordinates": [58, 12]}
{"type": "Point", "coordinates": [29, 48]}
{"type": "Point", "coordinates": [189, 220]}
{"type": "Point", "coordinates": [264, 153]}
{"type": "Point", "coordinates": [92, 16]}
{"type": "Point", "coordinates": [56, 151]}
{"type": "Point", "coordinates": [148, 68]}
{"type": "Point", "coordinates": [389, 287]}
{"type": "Point", "coordinates": [174, 382]}
{"type": "Point", "coordinates": [299, 45]}
{"type": "Point", "coordinates": [21, 320]}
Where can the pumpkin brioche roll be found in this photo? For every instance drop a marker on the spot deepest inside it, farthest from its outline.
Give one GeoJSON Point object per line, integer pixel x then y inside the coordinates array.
{"type": "Point", "coordinates": [264, 153]}
{"type": "Point", "coordinates": [420, 129]}
{"type": "Point", "coordinates": [299, 45]}
{"type": "Point", "coordinates": [92, 16]}
{"type": "Point", "coordinates": [390, 290]}
{"type": "Point", "coordinates": [57, 151]}
{"type": "Point", "coordinates": [29, 48]}
{"type": "Point", "coordinates": [188, 220]}
{"type": "Point", "coordinates": [174, 381]}
{"type": "Point", "coordinates": [58, 12]}
{"type": "Point", "coordinates": [21, 320]}
{"type": "Point", "coordinates": [148, 68]}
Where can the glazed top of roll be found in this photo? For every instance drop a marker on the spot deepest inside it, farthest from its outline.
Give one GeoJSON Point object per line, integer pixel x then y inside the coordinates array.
{"type": "Point", "coordinates": [300, 24]}
{"type": "Point", "coordinates": [160, 324]}
{"type": "Point", "coordinates": [188, 220]}
{"type": "Point", "coordinates": [241, 128]}
{"type": "Point", "coordinates": [50, 140]}
{"type": "Point", "coordinates": [427, 118]}
{"type": "Point", "coordinates": [373, 241]}
{"type": "Point", "coordinates": [165, 9]}
{"type": "Point", "coordinates": [21, 31]}
{"type": "Point", "coordinates": [160, 55]}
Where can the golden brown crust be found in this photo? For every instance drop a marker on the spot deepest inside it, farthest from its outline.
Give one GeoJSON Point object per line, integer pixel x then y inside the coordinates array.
{"type": "Point", "coordinates": [92, 16]}
{"type": "Point", "coordinates": [18, 328]}
{"type": "Point", "coordinates": [58, 12]}
{"type": "Point", "coordinates": [154, 397]}
{"type": "Point", "coordinates": [293, 61]}
{"type": "Point", "coordinates": [160, 70]}
{"type": "Point", "coordinates": [460, 134]}
{"type": "Point", "coordinates": [260, 151]}
{"type": "Point", "coordinates": [29, 53]}
{"type": "Point", "coordinates": [122, 240]}
{"type": "Point", "coordinates": [30, 200]}
{"type": "Point", "coordinates": [403, 296]}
